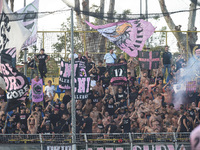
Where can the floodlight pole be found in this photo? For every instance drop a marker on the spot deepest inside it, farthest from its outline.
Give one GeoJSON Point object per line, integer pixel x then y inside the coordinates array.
{"type": "Point", "coordinates": [73, 103]}
{"type": "Point", "coordinates": [25, 53]}
{"type": "Point", "coordinates": [147, 42]}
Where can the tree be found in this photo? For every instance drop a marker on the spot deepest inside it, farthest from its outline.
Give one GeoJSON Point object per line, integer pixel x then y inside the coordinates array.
{"type": "Point", "coordinates": [92, 39]}
{"type": "Point", "coordinates": [64, 42]}
{"type": "Point", "coordinates": [180, 36]}
{"type": "Point", "coordinates": [11, 4]}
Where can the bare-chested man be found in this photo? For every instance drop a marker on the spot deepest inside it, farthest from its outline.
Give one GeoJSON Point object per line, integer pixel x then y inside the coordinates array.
{"type": "Point", "coordinates": [158, 101]}
{"type": "Point", "coordinates": [167, 94]}
{"type": "Point", "coordinates": [155, 121]}
{"type": "Point", "coordinates": [98, 88]}
{"type": "Point", "coordinates": [94, 114]}
{"type": "Point", "coordinates": [87, 107]}
{"type": "Point", "coordinates": [160, 86]}
{"type": "Point", "coordinates": [142, 120]}
{"type": "Point", "coordinates": [32, 123]}
{"type": "Point", "coordinates": [132, 63]}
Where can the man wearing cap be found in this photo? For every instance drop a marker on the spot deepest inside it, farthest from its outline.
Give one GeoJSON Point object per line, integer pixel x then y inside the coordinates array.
{"type": "Point", "coordinates": [42, 58]}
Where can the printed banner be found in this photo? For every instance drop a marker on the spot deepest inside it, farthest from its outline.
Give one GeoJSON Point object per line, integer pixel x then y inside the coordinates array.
{"type": "Point", "coordinates": [118, 73]}
{"type": "Point", "coordinates": [129, 36]}
{"type": "Point", "coordinates": [81, 80]}
{"type": "Point", "coordinates": [13, 33]}
{"type": "Point", "coordinates": [82, 87]}
{"type": "Point", "coordinates": [17, 85]}
{"type": "Point", "coordinates": [135, 147]}
{"type": "Point", "coordinates": [37, 90]}
{"type": "Point", "coordinates": [195, 51]}
{"type": "Point", "coordinates": [30, 21]}
{"type": "Point", "coordinates": [149, 60]}
{"type": "Point", "coordinates": [65, 75]}
{"type": "Point", "coordinates": [191, 86]}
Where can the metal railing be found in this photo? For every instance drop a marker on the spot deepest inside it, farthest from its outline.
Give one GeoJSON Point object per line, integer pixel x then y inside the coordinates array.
{"type": "Point", "coordinates": [101, 141]}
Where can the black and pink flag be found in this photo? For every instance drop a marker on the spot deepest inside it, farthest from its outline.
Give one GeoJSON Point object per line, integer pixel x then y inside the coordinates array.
{"type": "Point", "coordinates": [130, 36]}
{"type": "Point", "coordinates": [81, 79]}
{"type": "Point", "coordinates": [118, 73]}
{"type": "Point", "coordinates": [149, 60]}
{"type": "Point", "coordinates": [17, 85]}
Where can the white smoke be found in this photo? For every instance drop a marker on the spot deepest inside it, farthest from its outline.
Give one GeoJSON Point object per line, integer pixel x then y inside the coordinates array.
{"type": "Point", "coordinates": [188, 73]}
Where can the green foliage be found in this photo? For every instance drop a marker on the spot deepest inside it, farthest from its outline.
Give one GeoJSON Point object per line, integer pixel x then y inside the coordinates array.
{"type": "Point", "coordinates": [60, 45]}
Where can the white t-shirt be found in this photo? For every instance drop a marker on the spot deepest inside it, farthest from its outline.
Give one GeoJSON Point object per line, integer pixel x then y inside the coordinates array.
{"type": "Point", "coordinates": [110, 58]}
{"type": "Point", "coordinates": [75, 56]}
{"type": "Point", "coordinates": [49, 89]}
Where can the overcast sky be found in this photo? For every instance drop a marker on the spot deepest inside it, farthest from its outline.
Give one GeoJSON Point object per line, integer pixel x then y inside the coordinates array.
{"type": "Point", "coordinates": [53, 22]}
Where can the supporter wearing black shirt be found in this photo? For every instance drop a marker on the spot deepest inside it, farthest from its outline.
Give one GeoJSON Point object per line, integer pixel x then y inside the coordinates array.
{"type": "Point", "coordinates": [126, 123]}
{"type": "Point", "coordinates": [95, 98]}
{"type": "Point", "coordinates": [120, 94]}
{"type": "Point", "coordinates": [62, 126]}
{"type": "Point", "coordinates": [42, 58]}
{"type": "Point", "coordinates": [80, 58]}
{"type": "Point", "coordinates": [33, 67]}
{"type": "Point", "coordinates": [55, 117]}
{"type": "Point", "coordinates": [111, 128]}
{"type": "Point", "coordinates": [166, 61]}
{"type": "Point", "coordinates": [133, 95]}
{"type": "Point", "coordinates": [23, 116]}
{"type": "Point", "coordinates": [87, 125]}
{"type": "Point", "coordinates": [18, 129]}
{"type": "Point", "coordinates": [46, 120]}
{"type": "Point", "coordinates": [183, 123]}
{"type": "Point", "coordinates": [67, 97]}
{"type": "Point", "coordinates": [48, 131]}
{"type": "Point", "coordinates": [101, 68]}
{"type": "Point", "coordinates": [110, 107]}
{"type": "Point", "coordinates": [63, 110]}
{"type": "Point", "coordinates": [90, 64]}
{"type": "Point", "coordinates": [15, 116]}
{"type": "Point", "coordinates": [37, 104]}
{"type": "Point", "coordinates": [105, 80]}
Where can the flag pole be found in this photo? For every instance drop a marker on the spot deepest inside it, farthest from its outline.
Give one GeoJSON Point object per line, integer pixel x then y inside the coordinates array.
{"type": "Point", "coordinates": [25, 53]}
{"type": "Point", "coordinates": [73, 103]}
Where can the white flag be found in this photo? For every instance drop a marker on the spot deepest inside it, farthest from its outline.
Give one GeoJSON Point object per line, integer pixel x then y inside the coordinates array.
{"type": "Point", "coordinates": [30, 21]}
{"type": "Point", "coordinates": [12, 32]}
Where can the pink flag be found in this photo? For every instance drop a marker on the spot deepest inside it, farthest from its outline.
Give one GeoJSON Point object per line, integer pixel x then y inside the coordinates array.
{"type": "Point", "coordinates": [37, 90]}
{"type": "Point", "coordinates": [129, 36]}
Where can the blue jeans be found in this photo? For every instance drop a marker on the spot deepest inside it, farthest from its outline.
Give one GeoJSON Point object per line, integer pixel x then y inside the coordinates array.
{"type": "Point", "coordinates": [168, 67]}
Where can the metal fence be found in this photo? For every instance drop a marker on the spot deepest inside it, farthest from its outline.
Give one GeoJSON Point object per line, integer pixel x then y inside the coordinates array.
{"type": "Point", "coordinates": [97, 141]}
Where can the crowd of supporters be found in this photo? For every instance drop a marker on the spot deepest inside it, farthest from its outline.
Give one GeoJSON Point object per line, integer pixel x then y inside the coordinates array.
{"type": "Point", "coordinates": [144, 105]}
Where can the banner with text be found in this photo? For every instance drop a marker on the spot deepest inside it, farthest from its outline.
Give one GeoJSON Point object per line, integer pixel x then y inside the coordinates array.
{"type": "Point", "coordinates": [37, 90]}
{"type": "Point", "coordinates": [81, 78]}
{"type": "Point", "coordinates": [118, 73]}
{"type": "Point", "coordinates": [17, 84]}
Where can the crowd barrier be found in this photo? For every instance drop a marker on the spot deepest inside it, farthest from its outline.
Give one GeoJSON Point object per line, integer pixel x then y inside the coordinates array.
{"type": "Point", "coordinates": [97, 141]}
